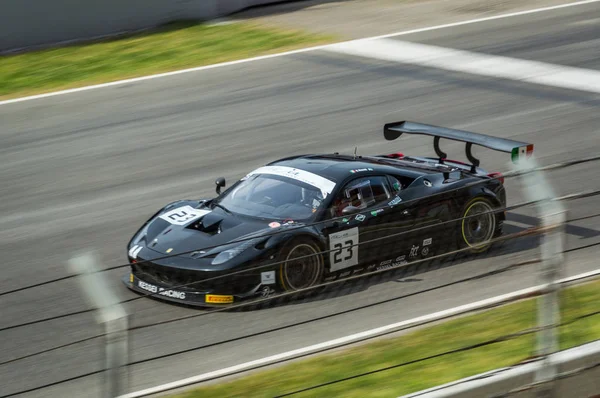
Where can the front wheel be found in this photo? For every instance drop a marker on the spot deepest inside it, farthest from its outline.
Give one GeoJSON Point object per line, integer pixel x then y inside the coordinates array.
{"type": "Point", "coordinates": [478, 225]}
{"type": "Point", "coordinates": [302, 265]}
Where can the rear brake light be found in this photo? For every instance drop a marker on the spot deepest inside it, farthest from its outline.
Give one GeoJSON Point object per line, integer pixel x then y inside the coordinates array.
{"type": "Point", "coordinates": [497, 176]}
{"type": "Point", "coordinates": [456, 161]}
{"type": "Point", "coordinates": [396, 155]}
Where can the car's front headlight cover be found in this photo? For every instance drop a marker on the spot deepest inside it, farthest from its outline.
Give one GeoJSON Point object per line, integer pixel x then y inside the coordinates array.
{"type": "Point", "coordinates": [228, 254]}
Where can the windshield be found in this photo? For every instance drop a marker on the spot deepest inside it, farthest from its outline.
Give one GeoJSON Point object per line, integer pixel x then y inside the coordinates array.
{"type": "Point", "coordinates": [274, 197]}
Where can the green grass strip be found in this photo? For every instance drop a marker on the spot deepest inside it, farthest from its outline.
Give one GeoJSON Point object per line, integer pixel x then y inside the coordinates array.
{"type": "Point", "coordinates": [175, 46]}
{"type": "Point", "coordinates": [423, 342]}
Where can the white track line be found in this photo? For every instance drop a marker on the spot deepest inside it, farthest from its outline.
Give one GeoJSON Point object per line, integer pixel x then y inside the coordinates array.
{"type": "Point", "coordinates": [201, 68]}
{"type": "Point", "coordinates": [352, 338]}
{"type": "Point", "coordinates": [473, 63]}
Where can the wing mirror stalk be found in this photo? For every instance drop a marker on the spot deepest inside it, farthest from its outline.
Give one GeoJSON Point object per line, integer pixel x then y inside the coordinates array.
{"type": "Point", "coordinates": [220, 183]}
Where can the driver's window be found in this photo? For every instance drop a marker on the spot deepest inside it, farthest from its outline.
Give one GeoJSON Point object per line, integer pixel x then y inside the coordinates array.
{"type": "Point", "coordinates": [362, 193]}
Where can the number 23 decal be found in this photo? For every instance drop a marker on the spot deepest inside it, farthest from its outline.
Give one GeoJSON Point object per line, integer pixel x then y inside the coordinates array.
{"type": "Point", "coordinates": [338, 253]}
{"type": "Point", "coordinates": [183, 215]}
{"type": "Point", "coordinates": [344, 249]}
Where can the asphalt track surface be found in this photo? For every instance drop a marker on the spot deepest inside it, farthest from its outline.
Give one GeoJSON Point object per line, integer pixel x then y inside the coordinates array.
{"type": "Point", "coordinates": [84, 170]}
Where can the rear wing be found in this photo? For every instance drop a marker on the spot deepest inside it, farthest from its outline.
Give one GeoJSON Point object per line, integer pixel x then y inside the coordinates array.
{"type": "Point", "coordinates": [517, 149]}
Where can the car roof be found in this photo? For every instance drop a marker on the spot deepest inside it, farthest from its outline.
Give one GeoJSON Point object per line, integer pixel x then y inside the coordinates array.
{"type": "Point", "coordinates": [337, 167]}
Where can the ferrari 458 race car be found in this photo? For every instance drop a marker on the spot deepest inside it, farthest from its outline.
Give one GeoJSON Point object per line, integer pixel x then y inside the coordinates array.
{"type": "Point", "coordinates": [303, 220]}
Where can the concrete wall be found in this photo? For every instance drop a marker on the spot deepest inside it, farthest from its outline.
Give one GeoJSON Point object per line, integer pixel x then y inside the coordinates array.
{"type": "Point", "coordinates": [26, 23]}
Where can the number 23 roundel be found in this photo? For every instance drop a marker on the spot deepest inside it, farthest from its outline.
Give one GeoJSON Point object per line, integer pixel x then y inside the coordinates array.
{"type": "Point", "coordinates": [183, 215]}
{"type": "Point", "coordinates": [344, 249]}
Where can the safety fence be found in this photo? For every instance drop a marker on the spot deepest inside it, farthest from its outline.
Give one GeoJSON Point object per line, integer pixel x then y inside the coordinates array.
{"type": "Point", "coordinates": [549, 234]}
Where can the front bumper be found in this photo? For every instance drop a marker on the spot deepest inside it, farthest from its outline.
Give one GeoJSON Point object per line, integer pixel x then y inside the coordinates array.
{"type": "Point", "coordinates": [192, 297]}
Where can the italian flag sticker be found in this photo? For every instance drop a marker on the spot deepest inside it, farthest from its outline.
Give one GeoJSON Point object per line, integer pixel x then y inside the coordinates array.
{"type": "Point", "coordinates": [521, 152]}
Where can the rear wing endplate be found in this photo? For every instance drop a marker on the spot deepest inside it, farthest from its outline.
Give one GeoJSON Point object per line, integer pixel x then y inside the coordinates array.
{"type": "Point", "coordinates": [517, 149]}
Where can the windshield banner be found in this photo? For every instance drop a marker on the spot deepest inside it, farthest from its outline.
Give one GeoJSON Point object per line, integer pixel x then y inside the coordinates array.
{"type": "Point", "coordinates": [325, 186]}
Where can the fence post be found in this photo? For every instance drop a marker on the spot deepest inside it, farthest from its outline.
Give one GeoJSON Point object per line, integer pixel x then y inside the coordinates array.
{"type": "Point", "coordinates": [552, 216]}
{"type": "Point", "coordinates": [110, 314]}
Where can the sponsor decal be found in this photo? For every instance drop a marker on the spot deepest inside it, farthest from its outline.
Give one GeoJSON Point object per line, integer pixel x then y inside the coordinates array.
{"type": "Point", "coordinates": [427, 183]}
{"type": "Point", "coordinates": [345, 219]}
{"type": "Point", "coordinates": [360, 217]}
{"type": "Point", "coordinates": [266, 291]}
{"type": "Point", "coordinates": [147, 286]}
{"type": "Point", "coordinates": [425, 251]}
{"type": "Point", "coordinates": [330, 278]}
{"type": "Point", "coordinates": [274, 224]}
{"type": "Point", "coordinates": [325, 186]}
{"type": "Point", "coordinates": [359, 170]}
{"type": "Point", "coordinates": [356, 271]}
{"type": "Point", "coordinates": [387, 264]}
{"type": "Point", "coordinates": [395, 201]}
{"type": "Point", "coordinates": [343, 274]}
{"type": "Point", "coordinates": [130, 278]}
{"type": "Point", "coordinates": [267, 278]}
{"type": "Point", "coordinates": [375, 212]}
{"type": "Point", "coordinates": [169, 250]}
{"type": "Point", "coordinates": [370, 267]}
{"type": "Point", "coordinates": [183, 215]}
{"type": "Point", "coordinates": [219, 299]}
{"type": "Point", "coordinates": [172, 293]}
{"type": "Point", "coordinates": [160, 290]}
{"type": "Point", "coordinates": [413, 251]}
{"type": "Point", "coordinates": [427, 242]}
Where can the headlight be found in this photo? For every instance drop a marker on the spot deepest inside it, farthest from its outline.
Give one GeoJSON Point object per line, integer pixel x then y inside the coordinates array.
{"type": "Point", "coordinates": [134, 250]}
{"type": "Point", "coordinates": [227, 255]}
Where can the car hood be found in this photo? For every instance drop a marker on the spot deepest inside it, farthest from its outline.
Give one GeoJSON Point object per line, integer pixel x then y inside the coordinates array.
{"type": "Point", "coordinates": [215, 229]}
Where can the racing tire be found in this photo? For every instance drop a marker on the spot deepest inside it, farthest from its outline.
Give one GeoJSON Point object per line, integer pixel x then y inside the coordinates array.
{"type": "Point", "coordinates": [478, 224]}
{"type": "Point", "coordinates": [304, 272]}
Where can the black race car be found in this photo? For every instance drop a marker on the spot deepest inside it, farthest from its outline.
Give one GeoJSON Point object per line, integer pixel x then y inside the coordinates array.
{"type": "Point", "coordinates": [303, 220]}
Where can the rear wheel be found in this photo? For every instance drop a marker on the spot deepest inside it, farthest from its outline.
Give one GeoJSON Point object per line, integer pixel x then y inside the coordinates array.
{"type": "Point", "coordinates": [478, 225]}
{"type": "Point", "coordinates": [302, 265]}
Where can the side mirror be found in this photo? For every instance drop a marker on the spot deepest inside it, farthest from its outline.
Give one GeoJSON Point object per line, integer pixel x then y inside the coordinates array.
{"type": "Point", "coordinates": [350, 210]}
{"type": "Point", "coordinates": [220, 183]}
